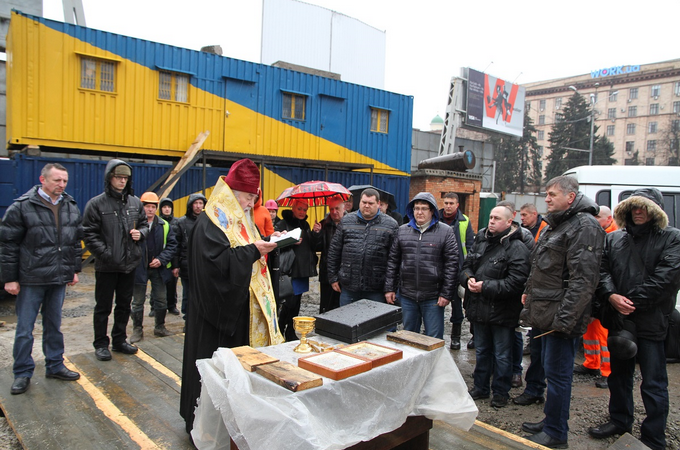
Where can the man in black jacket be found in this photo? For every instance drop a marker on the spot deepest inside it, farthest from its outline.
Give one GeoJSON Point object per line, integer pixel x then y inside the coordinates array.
{"type": "Point", "coordinates": [157, 252]}
{"type": "Point", "coordinates": [113, 225]}
{"type": "Point", "coordinates": [304, 265]}
{"type": "Point", "coordinates": [423, 266]}
{"type": "Point", "coordinates": [494, 274]}
{"type": "Point", "coordinates": [639, 281]}
{"type": "Point", "coordinates": [325, 230]}
{"type": "Point", "coordinates": [182, 229]}
{"type": "Point", "coordinates": [357, 257]}
{"type": "Point", "coordinates": [465, 236]}
{"type": "Point", "coordinates": [565, 270]}
{"type": "Point", "coordinates": [40, 254]}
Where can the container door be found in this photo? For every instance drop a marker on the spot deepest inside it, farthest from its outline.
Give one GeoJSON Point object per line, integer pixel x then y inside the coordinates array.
{"type": "Point", "coordinates": [333, 121]}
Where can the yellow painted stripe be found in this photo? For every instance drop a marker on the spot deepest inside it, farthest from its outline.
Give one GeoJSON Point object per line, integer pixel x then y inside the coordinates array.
{"type": "Point", "coordinates": [158, 366]}
{"type": "Point", "coordinates": [111, 411]}
{"type": "Point", "coordinates": [512, 437]}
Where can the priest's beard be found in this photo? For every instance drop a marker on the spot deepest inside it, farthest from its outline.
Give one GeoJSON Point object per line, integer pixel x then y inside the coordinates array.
{"type": "Point", "coordinates": [249, 218]}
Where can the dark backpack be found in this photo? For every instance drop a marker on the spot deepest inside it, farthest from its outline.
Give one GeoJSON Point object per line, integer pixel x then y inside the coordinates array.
{"type": "Point", "coordinates": [673, 338]}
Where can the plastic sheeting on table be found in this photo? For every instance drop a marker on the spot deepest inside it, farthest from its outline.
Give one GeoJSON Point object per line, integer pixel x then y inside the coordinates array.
{"type": "Point", "coordinates": [259, 414]}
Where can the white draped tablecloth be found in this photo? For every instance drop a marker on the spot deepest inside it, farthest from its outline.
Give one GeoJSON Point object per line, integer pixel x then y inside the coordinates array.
{"type": "Point", "coordinates": [260, 414]}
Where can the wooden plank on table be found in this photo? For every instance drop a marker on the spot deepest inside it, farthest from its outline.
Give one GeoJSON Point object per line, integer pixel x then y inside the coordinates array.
{"type": "Point", "coordinates": [55, 414]}
{"type": "Point", "coordinates": [251, 358]}
{"type": "Point", "coordinates": [146, 398]}
{"type": "Point", "coordinates": [415, 340]}
{"type": "Point", "coordinates": [289, 376]}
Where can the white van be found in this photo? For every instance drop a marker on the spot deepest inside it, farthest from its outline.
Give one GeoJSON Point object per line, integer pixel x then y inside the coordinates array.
{"type": "Point", "coordinates": [608, 185]}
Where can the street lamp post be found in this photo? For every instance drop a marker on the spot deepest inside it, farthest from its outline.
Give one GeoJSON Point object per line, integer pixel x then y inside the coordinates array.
{"type": "Point", "coordinates": [592, 122]}
{"type": "Point", "coordinates": [592, 129]}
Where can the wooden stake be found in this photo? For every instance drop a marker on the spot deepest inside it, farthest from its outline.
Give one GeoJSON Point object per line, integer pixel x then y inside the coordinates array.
{"type": "Point", "coordinates": [541, 335]}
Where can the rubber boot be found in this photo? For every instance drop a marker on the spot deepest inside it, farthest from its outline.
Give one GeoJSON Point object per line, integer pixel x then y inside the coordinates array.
{"type": "Point", "coordinates": [455, 336]}
{"type": "Point", "coordinates": [160, 329]}
{"type": "Point", "coordinates": [137, 328]}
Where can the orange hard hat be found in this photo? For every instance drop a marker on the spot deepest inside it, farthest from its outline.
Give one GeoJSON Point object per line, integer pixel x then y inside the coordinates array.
{"type": "Point", "coordinates": [149, 197]}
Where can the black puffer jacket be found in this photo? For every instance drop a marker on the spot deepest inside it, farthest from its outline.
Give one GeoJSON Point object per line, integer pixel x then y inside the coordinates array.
{"type": "Point", "coordinates": [423, 265]}
{"type": "Point", "coordinates": [358, 254]}
{"type": "Point", "coordinates": [652, 289]}
{"type": "Point", "coordinates": [502, 263]}
{"type": "Point", "coordinates": [324, 238]}
{"type": "Point", "coordinates": [33, 251]}
{"type": "Point", "coordinates": [182, 227]}
{"type": "Point", "coordinates": [107, 222]}
{"type": "Point", "coordinates": [565, 270]}
{"type": "Point", "coordinates": [304, 265]}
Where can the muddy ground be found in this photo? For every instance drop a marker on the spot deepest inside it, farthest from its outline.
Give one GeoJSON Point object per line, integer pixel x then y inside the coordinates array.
{"type": "Point", "coordinates": [588, 406]}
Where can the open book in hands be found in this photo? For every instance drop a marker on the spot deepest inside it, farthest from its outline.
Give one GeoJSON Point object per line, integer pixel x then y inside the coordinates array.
{"type": "Point", "coordinates": [290, 238]}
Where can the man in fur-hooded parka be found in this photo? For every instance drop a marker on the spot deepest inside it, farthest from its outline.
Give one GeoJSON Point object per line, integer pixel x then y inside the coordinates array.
{"type": "Point", "coordinates": [639, 281]}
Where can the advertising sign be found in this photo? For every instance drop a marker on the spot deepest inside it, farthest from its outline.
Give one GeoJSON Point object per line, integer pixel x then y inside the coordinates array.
{"type": "Point", "coordinates": [494, 104]}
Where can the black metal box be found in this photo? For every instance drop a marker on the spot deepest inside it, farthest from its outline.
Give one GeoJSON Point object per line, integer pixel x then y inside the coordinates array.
{"type": "Point", "coordinates": [358, 321]}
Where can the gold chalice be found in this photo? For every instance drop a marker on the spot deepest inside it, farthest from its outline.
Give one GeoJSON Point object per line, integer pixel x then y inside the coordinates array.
{"type": "Point", "coordinates": [303, 325]}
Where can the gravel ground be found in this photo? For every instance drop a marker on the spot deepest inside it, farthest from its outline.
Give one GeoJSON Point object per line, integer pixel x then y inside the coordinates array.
{"type": "Point", "coordinates": [588, 405]}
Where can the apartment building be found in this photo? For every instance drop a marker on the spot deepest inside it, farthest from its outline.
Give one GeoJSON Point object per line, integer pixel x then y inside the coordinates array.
{"type": "Point", "coordinates": [636, 106]}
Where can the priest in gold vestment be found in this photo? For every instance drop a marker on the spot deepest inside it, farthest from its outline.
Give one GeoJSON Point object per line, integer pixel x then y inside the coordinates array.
{"type": "Point", "coordinates": [232, 302]}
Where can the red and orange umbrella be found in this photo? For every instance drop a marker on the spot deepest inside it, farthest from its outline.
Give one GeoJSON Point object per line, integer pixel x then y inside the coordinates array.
{"type": "Point", "coordinates": [316, 193]}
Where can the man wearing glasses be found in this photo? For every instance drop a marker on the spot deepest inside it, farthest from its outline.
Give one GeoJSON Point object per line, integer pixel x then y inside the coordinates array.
{"type": "Point", "coordinates": [113, 225]}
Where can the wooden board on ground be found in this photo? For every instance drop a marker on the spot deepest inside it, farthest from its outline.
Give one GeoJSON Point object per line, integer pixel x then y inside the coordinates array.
{"type": "Point", "coordinates": [415, 340]}
{"type": "Point", "coordinates": [289, 376]}
{"type": "Point", "coordinates": [251, 358]}
{"type": "Point", "coordinates": [106, 408]}
{"type": "Point", "coordinates": [165, 351]}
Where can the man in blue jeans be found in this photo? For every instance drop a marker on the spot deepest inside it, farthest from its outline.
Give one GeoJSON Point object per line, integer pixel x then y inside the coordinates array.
{"type": "Point", "coordinates": [494, 274]}
{"type": "Point", "coordinates": [40, 253]}
{"type": "Point", "coordinates": [357, 257]}
{"type": "Point", "coordinates": [557, 298]}
{"type": "Point", "coordinates": [423, 265]}
{"type": "Point", "coordinates": [639, 281]}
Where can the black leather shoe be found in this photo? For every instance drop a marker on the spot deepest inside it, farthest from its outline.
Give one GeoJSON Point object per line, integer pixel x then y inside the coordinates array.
{"type": "Point", "coordinates": [602, 383]}
{"type": "Point", "coordinates": [20, 385]}
{"type": "Point", "coordinates": [532, 427]}
{"type": "Point", "coordinates": [499, 401]}
{"type": "Point", "coordinates": [583, 370]}
{"type": "Point", "coordinates": [547, 441]}
{"type": "Point", "coordinates": [125, 348]}
{"type": "Point", "coordinates": [173, 310]}
{"type": "Point", "coordinates": [102, 354]}
{"type": "Point", "coordinates": [527, 399]}
{"type": "Point", "coordinates": [64, 374]}
{"type": "Point", "coordinates": [471, 343]}
{"type": "Point", "coordinates": [476, 394]}
{"type": "Point", "coordinates": [605, 430]}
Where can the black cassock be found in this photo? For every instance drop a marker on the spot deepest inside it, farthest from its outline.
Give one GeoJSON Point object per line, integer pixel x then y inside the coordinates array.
{"type": "Point", "coordinates": [218, 312]}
